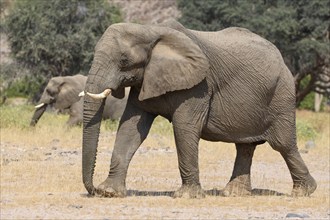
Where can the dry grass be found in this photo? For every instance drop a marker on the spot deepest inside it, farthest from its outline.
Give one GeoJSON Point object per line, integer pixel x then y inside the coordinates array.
{"type": "Point", "coordinates": [41, 174]}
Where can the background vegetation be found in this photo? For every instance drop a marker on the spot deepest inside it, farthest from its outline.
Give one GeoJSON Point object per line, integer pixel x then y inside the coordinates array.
{"type": "Point", "coordinates": [299, 28]}
{"type": "Point", "coordinates": [54, 39]}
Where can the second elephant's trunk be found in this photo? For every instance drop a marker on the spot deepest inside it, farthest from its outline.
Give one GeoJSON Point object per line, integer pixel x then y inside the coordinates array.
{"type": "Point", "coordinates": [37, 115]}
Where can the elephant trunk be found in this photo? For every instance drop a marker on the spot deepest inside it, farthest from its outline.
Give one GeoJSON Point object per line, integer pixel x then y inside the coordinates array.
{"type": "Point", "coordinates": [37, 114]}
{"type": "Point", "coordinates": [96, 85]}
{"type": "Point", "coordinates": [93, 110]}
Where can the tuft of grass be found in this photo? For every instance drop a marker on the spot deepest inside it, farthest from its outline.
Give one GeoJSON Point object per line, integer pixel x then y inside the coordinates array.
{"type": "Point", "coordinates": [15, 116]}
{"type": "Point", "coordinates": [19, 117]}
{"type": "Point", "coordinates": [110, 125]}
{"type": "Point", "coordinates": [309, 124]}
{"type": "Point", "coordinates": [161, 126]}
{"type": "Point", "coordinates": [315, 127]}
{"type": "Point", "coordinates": [305, 130]}
{"type": "Point", "coordinates": [312, 125]}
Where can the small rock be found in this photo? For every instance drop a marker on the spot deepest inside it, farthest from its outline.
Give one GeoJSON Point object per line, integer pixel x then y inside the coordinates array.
{"type": "Point", "coordinates": [310, 144]}
{"type": "Point", "coordinates": [5, 162]}
{"type": "Point", "coordinates": [75, 206]}
{"type": "Point", "coordinates": [54, 141]}
{"type": "Point", "coordinates": [5, 201]}
{"type": "Point", "coordinates": [66, 153]}
{"type": "Point", "coordinates": [303, 151]}
{"type": "Point", "coordinates": [296, 215]}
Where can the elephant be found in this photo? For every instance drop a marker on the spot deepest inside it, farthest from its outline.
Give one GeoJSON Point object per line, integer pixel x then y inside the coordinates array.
{"type": "Point", "coordinates": [62, 93]}
{"type": "Point", "coordinates": [230, 85]}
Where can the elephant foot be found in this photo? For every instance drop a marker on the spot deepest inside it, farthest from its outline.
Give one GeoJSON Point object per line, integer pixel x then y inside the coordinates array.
{"type": "Point", "coordinates": [239, 186]}
{"type": "Point", "coordinates": [190, 191]}
{"type": "Point", "coordinates": [304, 188]}
{"type": "Point", "coordinates": [106, 189]}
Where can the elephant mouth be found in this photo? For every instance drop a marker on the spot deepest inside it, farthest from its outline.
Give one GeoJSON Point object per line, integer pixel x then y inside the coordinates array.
{"type": "Point", "coordinates": [101, 95]}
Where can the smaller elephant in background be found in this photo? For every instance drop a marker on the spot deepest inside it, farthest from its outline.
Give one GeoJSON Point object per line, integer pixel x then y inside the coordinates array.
{"type": "Point", "coordinates": [62, 93]}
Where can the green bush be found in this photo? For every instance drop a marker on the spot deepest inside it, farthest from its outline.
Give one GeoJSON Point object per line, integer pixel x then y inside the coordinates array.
{"type": "Point", "coordinates": [111, 125]}
{"type": "Point", "coordinates": [58, 37]}
{"type": "Point", "coordinates": [24, 87]}
{"type": "Point", "coordinates": [308, 102]}
{"type": "Point", "coordinates": [305, 131]}
{"type": "Point", "coordinates": [17, 81]}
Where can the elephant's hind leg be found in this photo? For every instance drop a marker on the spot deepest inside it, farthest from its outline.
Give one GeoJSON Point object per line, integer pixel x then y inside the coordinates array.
{"type": "Point", "coordinates": [285, 143]}
{"type": "Point", "coordinates": [240, 181]}
{"type": "Point", "coordinates": [303, 183]}
{"type": "Point", "coordinates": [282, 137]}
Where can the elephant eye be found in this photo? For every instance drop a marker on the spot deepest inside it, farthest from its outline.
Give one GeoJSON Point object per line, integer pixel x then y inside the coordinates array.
{"type": "Point", "coordinates": [124, 61]}
{"type": "Point", "coordinates": [50, 92]}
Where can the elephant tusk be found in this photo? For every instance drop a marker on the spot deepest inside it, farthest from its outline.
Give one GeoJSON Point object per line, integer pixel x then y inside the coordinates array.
{"type": "Point", "coordinates": [81, 94]}
{"type": "Point", "coordinates": [101, 95]}
{"type": "Point", "coordinates": [40, 105]}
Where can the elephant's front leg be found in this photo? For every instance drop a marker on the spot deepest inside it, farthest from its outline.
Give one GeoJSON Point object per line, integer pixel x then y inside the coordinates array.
{"type": "Point", "coordinates": [240, 182]}
{"type": "Point", "coordinates": [187, 138]}
{"type": "Point", "coordinates": [133, 129]}
{"type": "Point", "coordinates": [76, 114]}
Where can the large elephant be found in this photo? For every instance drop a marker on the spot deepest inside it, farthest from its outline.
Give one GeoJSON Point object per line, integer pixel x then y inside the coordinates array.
{"type": "Point", "coordinates": [63, 93]}
{"type": "Point", "coordinates": [230, 86]}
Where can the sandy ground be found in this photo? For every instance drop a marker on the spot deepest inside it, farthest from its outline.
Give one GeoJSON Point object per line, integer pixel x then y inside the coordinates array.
{"type": "Point", "coordinates": [41, 179]}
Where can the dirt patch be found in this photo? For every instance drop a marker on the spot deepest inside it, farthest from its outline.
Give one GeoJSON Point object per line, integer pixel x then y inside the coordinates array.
{"type": "Point", "coordinates": [44, 182]}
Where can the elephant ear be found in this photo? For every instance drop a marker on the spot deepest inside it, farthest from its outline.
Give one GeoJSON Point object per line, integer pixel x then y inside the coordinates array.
{"type": "Point", "coordinates": [176, 63]}
{"type": "Point", "coordinates": [69, 89]}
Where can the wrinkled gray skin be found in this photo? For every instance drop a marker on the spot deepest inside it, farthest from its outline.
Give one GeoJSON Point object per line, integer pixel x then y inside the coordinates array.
{"type": "Point", "coordinates": [229, 86]}
{"type": "Point", "coordinates": [62, 92]}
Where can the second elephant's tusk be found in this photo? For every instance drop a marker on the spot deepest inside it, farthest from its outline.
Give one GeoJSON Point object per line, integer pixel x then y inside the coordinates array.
{"type": "Point", "coordinates": [81, 94]}
{"type": "Point", "coordinates": [101, 95]}
{"type": "Point", "coordinates": [40, 105]}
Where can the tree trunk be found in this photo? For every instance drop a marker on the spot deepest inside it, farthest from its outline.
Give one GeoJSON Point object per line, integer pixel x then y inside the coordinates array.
{"type": "Point", "coordinates": [317, 102]}
{"type": "Point", "coordinates": [302, 93]}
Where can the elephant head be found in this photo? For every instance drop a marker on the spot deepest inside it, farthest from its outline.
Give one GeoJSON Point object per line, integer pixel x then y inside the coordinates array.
{"type": "Point", "coordinates": [153, 59]}
{"type": "Point", "coordinates": [61, 92]}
